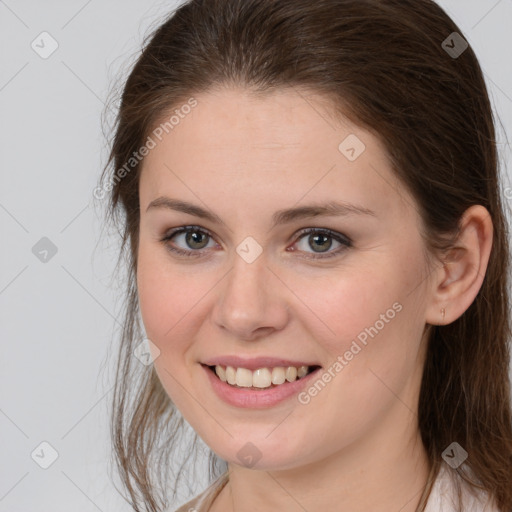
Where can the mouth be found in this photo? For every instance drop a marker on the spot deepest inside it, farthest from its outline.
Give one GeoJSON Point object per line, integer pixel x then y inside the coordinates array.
{"type": "Point", "coordinates": [262, 378]}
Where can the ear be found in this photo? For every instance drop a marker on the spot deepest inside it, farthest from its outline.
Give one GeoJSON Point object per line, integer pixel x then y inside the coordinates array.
{"type": "Point", "coordinates": [457, 283]}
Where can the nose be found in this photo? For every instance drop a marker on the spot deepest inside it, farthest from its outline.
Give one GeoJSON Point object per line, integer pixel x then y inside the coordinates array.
{"type": "Point", "coordinates": [252, 301]}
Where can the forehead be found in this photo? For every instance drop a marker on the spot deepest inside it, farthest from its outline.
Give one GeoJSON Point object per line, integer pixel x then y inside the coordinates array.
{"type": "Point", "coordinates": [235, 119]}
{"type": "Point", "coordinates": [287, 141]}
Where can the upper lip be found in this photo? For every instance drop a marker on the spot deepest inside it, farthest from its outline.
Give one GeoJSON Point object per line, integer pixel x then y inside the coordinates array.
{"type": "Point", "coordinates": [255, 363]}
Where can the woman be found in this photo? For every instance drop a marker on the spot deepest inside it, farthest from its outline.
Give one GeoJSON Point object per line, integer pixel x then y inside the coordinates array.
{"type": "Point", "coordinates": [310, 207]}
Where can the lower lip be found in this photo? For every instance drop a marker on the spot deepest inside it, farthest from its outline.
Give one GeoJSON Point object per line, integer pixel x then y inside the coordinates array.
{"type": "Point", "coordinates": [251, 398]}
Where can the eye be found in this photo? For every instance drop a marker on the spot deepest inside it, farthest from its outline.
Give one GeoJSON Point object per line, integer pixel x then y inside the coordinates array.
{"type": "Point", "coordinates": [195, 239]}
{"type": "Point", "coordinates": [322, 240]}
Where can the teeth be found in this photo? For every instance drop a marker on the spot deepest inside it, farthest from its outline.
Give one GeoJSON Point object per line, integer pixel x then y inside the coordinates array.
{"type": "Point", "coordinates": [291, 373]}
{"type": "Point", "coordinates": [230, 375]}
{"type": "Point", "coordinates": [262, 377]}
{"type": "Point", "coordinates": [302, 371]}
{"type": "Point", "coordinates": [278, 375]}
{"type": "Point", "coordinates": [221, 373]}
{"type": "Point", "coordinates": [243, 378]}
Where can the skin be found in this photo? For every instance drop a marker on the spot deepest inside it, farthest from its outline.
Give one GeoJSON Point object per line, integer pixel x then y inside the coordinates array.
{"type": "Point", "coordinates": [356, 445]}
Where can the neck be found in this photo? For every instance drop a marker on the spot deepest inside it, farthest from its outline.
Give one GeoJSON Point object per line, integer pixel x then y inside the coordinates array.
{"type": "Point", "coordinates": [386, 470]}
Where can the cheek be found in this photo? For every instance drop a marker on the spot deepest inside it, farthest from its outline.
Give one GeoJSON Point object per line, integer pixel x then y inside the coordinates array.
{"type": "Point", "coordinates": [367, 325]}
{"type": "Point", "coordinates": [341, 308]}
{"type": "Point", "coordinates": [165, 296]}
{"type": "Point", "coordinates": [166, 301]}
{"type": "Point", "coordinates": [367, 321]}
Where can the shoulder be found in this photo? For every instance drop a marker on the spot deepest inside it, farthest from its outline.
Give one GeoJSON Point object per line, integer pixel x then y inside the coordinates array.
{"type": "Point", "coordinates": [203, 501]}
{"type": "Point", "coordinates": [444, 497]}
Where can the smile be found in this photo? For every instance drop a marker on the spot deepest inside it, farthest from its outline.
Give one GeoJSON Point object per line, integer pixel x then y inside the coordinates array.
{"type": "Point", "coordinates": [260, 388]}
{"type": "Point", "coordinates": [262, 378]}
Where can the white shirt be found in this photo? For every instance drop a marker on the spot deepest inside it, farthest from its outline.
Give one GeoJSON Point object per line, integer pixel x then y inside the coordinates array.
{"type": "Point", "coordinates": [443, 497]}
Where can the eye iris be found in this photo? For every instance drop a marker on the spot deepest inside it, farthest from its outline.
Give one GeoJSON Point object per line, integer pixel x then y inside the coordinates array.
{"type": "Point", "coordinates": [192, 236]}
{"type": "Point", "coordinates": [195, 239]}
{"type": "Point", "coordinates": [325, 238]}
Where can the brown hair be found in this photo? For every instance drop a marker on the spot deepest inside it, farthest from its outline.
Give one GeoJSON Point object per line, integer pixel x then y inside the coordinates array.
{"type": "Point", "coordinates": [384, 66]}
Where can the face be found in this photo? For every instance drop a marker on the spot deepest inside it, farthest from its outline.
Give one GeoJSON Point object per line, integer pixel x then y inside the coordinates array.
{"type": "Point", "coordinates": [260, 273]}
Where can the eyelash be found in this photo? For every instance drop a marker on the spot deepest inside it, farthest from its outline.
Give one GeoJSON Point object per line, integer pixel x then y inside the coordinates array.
{"type": "Point", "coordinates": [342, 239]}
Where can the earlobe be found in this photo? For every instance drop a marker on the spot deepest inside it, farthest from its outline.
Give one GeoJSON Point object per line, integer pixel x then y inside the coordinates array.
{"type": "Point", "coordinates": [459, 280]}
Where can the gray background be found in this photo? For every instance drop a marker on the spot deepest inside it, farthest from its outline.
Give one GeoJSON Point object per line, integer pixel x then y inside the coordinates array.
{"type": "Point", "coordinates": [58, 317]}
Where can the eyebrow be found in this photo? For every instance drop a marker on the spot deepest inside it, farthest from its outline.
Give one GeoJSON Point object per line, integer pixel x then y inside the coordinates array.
{"type": "Point", "coordinates": [285, 216]}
